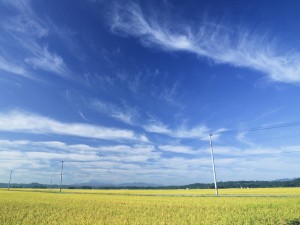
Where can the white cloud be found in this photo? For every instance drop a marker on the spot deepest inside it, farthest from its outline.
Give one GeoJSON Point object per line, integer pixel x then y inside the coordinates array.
{"type": "Point", "coordinates": [123, 162]}
{"type": "Point", "coordinates": [82, 116]}
{"type": "Point", "coordinates": [227, 152]}
{"type": "Point", "coordinates": [241, 138]}
{"type": "Point", "coordinates": [54, 150]}
{"type": "Point", "coordinates": [40, 160]}
{"type": "Point", "coordinates": [181, 149]}
{"type": "Point", "coordinates": [25, 25]}
{"type": "Point", "coordinates": [22, 32]}
{"type": "Point", "coordinates": [47, 61]}
{"type": "Point", "coordinates": [157, 128]}
{"type": "Point", "coordinates": [25, 32]}
{"type": "Point", "coordinates": [125, 114]}
{"type": "Point", "coordinates": [201, 132]}
{"type": "Point", "coordinates": [170, 95]}
{"type": "Point", "coordinates": [22, 6]}
{"type": "Point", "coordinates": [126, 118]}
{"type": "Point", "coordinates": [12, 68]}
{"type": "Point", "coordinates": [15, 121]}
{"type": "Point", "coordinates": [195, 132]}
{"type": "Point", "coordinates": [58, 156]}
{"type": "Point", "coordinates": [236, 47]}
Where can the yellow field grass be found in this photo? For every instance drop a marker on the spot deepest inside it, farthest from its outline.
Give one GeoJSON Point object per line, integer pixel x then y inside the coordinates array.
{"type": "Point", "coordinates": [233, 206]}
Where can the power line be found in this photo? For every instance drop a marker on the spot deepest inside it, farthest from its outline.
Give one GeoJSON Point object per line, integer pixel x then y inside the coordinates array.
{"type": "Point", "coordinates": [199, 160]}
{"type": "Point", "coordinates": [274, 126]}
{"type": "Point", "coordinates": [233, 131]}
{"type": "Point", "coordinates": [258, 155]}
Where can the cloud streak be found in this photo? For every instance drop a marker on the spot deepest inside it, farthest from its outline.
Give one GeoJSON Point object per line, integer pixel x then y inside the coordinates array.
{"type": "Point", "coordinates": [56, 151]}
{"type": "Point", "coordinates": [15, 121]}
{"type": "Point", "coordinates": [48, 62]}
{"type": "Point", "coordinates": [182, 149]}
{"type": "Point", "coordinates": [12, 68]}
{"type": "Point", "coordinates": [236, 47]}
{"type": "Point", "coordinates": [201, 132]}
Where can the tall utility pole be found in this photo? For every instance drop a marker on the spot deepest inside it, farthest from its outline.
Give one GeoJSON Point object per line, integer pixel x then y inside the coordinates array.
{"type": "Point", "coordinates": [213, 164]}
{"type": "Point", "coordinates": [9, 180]}
{"type": "Point", "coordinates": [50, 185]}
{"type": "Point", "coordinates": [61, 173]}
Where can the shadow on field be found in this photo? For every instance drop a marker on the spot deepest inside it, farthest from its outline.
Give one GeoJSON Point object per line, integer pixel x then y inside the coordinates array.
{"type": "Point", "coordinates": [293, 222]}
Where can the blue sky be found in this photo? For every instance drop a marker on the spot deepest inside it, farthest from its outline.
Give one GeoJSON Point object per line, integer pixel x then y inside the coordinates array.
{"type": "Point", "coordinates": [128, 91]}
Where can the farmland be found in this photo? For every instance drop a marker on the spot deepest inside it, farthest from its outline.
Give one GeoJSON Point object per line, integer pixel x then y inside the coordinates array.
{"type": "Point", "coordinates": [233, 206]}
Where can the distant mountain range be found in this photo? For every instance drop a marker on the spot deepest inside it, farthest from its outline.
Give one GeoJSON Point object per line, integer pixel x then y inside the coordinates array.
{"type": "Point", "coordinates": [286, 182]}
{"type": "Point", "coordinates": [94, 183]}
{"type": "Point", "coordinates": [251, 184]}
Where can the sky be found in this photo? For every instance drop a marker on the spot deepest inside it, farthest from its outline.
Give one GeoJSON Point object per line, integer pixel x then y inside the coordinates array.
{"type": "Point", "coordinates": [129, 91]}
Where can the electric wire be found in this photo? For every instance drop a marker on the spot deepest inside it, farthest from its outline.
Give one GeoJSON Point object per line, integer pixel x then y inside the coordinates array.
{"type": "Point", "coordinates": [268, 127]}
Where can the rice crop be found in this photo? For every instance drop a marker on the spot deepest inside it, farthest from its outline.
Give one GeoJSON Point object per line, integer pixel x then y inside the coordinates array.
{"type": "Point", "coordinates": [233, 206]}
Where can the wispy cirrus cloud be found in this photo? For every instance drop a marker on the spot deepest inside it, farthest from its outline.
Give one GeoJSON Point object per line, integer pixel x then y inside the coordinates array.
{"type": "Point", "coordinates": [180, 149]}
{"type": "Point", "coordinates": [241, 137]}
{"type": "Point", "coordinates": [224, 45]}
{"type": "Point", "coordinates": [16, 121]}
{"type": "Point", "coordinates": [201, 132]}
{"type": "Point", "coordinates": [125, 114]}
{"type": "Point", "coordinates": [47, 61]}
{"type": "Point", "coordinates": [25, 24]}
{"type": "Point", "coordinates": [21, 5]}
{"type": "Point", "coordinates": [12, 68]}
{"type": "Point", "coordinates": [22, 47]}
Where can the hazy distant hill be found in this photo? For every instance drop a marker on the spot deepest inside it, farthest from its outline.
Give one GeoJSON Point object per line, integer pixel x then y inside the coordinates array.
{"type": "Point", "coordinates": [251, 184]}
{"type": "Point", "coordinates": [227, 184]}
{"type": "Point", "coordinates": [94, 183]}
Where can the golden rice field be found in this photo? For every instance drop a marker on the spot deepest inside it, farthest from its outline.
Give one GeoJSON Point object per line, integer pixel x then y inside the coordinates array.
{"type": "Point", "coordinates": [233, 206]}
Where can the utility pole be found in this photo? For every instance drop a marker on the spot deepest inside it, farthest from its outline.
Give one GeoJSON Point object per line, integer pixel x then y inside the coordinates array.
{"type": "Point", "coordinates": [50, 185]}
{"type": "Point", "coordinates": [213, 164]}
{"type": "Point", "coordinates": [61, 173]}
{"type": "Point", "coordinates": [9, 180]}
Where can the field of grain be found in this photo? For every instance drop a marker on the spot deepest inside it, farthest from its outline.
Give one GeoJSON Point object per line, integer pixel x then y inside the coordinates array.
{"type": "Point", "coordinates": [233, 206]}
